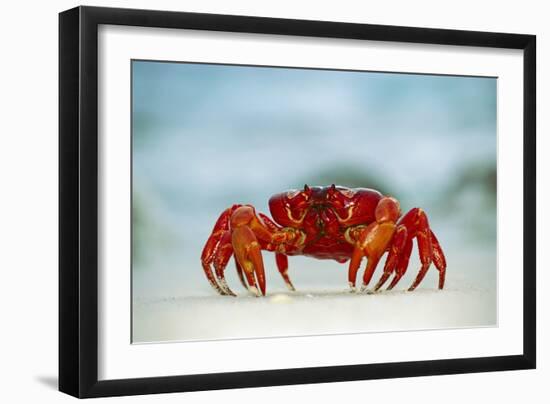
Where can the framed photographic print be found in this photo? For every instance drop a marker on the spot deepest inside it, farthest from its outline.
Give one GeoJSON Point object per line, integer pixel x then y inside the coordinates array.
{"type": "Point", "coordinates": [250, 201]}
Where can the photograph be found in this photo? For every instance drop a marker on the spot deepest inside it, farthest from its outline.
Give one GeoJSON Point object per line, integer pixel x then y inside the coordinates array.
{"type": "Point", "coordinates": [294, 199]}
{"type": "Point", "coordinates": [276, 201]}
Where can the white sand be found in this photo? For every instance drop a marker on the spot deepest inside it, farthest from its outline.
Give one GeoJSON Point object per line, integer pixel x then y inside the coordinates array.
{"type": "Point", "coordinates": [312, 312]}
{"type": "Point", "coordinates": [183, 306]}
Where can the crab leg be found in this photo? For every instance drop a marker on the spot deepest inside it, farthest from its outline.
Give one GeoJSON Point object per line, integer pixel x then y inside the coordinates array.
{"type": "Point", "coordinates": [396, 248]}
{"type": "Point", "coordinates": [212, 244]}
{"type": "Point", "coordinates": [440, 264]}
{"type": "Point", "coordinates": [438, 259]}
{"type": "Point", "coordinates": [282, 265]}
{"type": "Point", "coordinates": [429, 249]}
{"type": "Point", "coordinates": [222, 256]}
{"type": "Point", "coordinates": [402, 264]}
{"type": "Point", "coordinates": [207, 257]}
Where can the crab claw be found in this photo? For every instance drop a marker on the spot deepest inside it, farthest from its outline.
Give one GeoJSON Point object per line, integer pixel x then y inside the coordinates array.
{"type": "Point", "coordinates": [249, 257]}
{"type": "Point", "coordinates": [373, 240]}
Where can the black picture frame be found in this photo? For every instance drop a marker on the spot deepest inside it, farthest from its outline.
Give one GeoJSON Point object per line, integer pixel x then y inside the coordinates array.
{"type": "Point", "coordinates": [78, 201]}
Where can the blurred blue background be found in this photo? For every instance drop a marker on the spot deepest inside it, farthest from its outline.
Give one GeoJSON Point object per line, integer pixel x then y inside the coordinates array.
{"type": "Point", "coordinates": [207, 136]}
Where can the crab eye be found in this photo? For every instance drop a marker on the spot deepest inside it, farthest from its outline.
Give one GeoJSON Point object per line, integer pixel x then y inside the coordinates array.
{"type": "Point", "coordinates": [340, 197]}
{"type": "Point", "coordinates": [307, 192]}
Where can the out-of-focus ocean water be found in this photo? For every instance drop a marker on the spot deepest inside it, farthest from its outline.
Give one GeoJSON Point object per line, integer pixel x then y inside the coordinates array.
{"type": "Point", "coordinates": [207, 136]}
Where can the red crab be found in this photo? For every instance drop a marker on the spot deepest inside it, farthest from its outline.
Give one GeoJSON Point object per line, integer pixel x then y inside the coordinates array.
{"type": "Point", "coordinates": [333, 222]}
